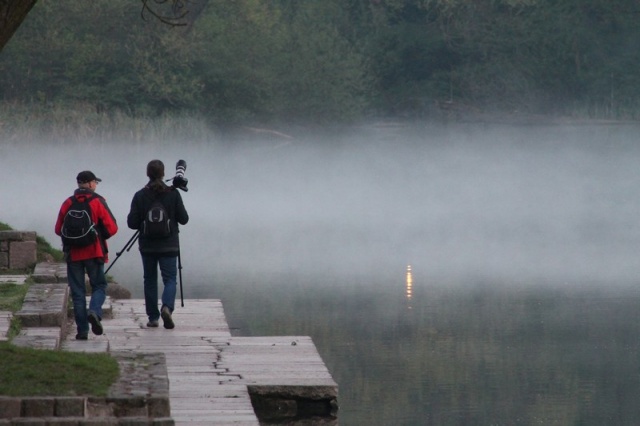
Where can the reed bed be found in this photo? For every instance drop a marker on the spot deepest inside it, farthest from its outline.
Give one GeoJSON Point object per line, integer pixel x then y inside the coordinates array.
{"type": "Point", "coordinates": [20, 123]}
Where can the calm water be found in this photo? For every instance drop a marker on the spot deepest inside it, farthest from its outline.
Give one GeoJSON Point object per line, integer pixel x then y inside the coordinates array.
{"type": "Point", "coordinates": [485, 355]}
{"type": "Point", "coordinates": [522, 302]}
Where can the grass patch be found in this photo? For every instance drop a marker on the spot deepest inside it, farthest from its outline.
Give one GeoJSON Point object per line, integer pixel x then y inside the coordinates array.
{"type": "Point", "coordinates": [38, 372]}
{"type": "Point", "coordinates": [44, 250]}
{"type": "Point", "coordinates": [12, 296]}
{"type": "Point", "coordinates": [11, 299]}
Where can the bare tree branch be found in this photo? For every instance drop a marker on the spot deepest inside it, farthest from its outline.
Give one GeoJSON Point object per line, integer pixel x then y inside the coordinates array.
{"type": "Point", "coordinates": [176, 13]}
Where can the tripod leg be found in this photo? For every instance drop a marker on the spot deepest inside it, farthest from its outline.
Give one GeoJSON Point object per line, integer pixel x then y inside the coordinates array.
{"type": "Point", "coordinates": [180, 273]}
{"type": "Point", "coordinates": [126, 247]}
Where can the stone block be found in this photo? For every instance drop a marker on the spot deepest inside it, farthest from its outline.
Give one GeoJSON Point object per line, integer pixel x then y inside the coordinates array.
{"type": "Point", "coordinates": [97, 407]}
{"type": "Point", "coordinates": [28, 236]}
{"type": "Point", "coordinates": [166, 421]}
{"type": "Point", "coordinates": [38, 407]}
{"type": "Point", "coordinates": [46, 272]}
{"type": "Point", "coordinates": [4, 245]}
{"type": "Point", "coordinates": [37, 342]}
{"type": "Point", "coordinates": [10, 407]}
{"type": "Point", "coordinates": [60, 421]}
{"type": "Point", "coordinates": [10, 235]}
{"type": "Point", "coordinates": [40, 278]}
{"type": "Point", "coordinates": [28, 319]}
{"type": "Point", "coordinates": [4, 259]}
{"type": "Point", "coordinates": [53, 319]}
{"type": "Point", "coordinates": [159, 407]}
{"type": "Point", "coordinates": [128, 406]}
{"type": "Point", "coordinates": [134, 421]}
{"type": "Point", "coordinates": [22, 254]}
{"type": "Point", "coordinates": [69, 407]}
{"type": "Point", "coordinates": [99, 421]}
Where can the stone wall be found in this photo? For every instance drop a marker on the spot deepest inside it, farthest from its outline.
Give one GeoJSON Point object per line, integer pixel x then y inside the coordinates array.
{"type": "Point", "coordinates": [18, 249]}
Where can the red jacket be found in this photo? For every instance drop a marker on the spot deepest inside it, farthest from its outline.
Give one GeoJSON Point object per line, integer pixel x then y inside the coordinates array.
{"type": "Point", "coordinates": [101, 216]}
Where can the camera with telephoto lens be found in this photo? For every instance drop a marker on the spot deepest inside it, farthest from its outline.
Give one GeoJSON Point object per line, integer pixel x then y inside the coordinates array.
{"type": "Point", "coordinates": [179, 181]}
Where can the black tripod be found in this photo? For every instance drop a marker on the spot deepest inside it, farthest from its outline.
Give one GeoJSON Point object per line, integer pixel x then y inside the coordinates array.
{"type": "Point", "coordinates": [126, 247]}
{"type": "Point", "coordinates": [130, 244]}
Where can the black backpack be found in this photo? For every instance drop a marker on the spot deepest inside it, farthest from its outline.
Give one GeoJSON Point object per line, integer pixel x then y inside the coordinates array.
{"type": "Point", "coordinates": [78, 230]}
{"type": "Point", "coordinates": [156, 222]}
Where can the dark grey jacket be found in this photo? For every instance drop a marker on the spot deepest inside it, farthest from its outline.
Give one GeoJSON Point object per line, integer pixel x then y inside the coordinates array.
{"type": "Point", "coordinates": [172, 202]}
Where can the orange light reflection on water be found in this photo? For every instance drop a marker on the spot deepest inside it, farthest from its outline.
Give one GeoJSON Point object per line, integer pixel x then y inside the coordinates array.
{"type": "Point", "coordinates": [409, 284]}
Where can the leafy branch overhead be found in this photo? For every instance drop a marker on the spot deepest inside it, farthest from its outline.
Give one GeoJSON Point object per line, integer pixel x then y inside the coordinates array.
{"type": "Point", "coordinates": [324, 61]}
{"type": "Point", "coordinates": [176, 13]}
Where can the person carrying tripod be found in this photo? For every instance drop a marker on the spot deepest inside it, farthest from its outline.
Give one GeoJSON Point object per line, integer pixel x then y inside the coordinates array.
{"type": "Point", "coordinates": [156, 210]}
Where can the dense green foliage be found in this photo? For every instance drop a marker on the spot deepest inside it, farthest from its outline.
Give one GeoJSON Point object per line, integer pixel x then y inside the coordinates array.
{"type": "Point", "coordinates": [334, 60]}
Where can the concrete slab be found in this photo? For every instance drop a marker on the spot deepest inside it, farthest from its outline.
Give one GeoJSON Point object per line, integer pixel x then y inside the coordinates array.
{"type": "Point", "coordinates": [91, 345]}
{"type": "Point", "coordinates": [5, 324]}
{"type": "Point", "coordinates": [211, 373]}
{"type": "Point", "coordinates": [13, 279]}
{"type": "Point", "coordinates": [38, 338]}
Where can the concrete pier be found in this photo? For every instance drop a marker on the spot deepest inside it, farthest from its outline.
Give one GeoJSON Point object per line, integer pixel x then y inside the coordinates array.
{"type": "Point", "coordinates": [214, 378]}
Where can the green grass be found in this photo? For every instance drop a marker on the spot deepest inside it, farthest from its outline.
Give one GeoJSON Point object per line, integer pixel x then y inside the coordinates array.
{"type": "Point", "coordinates": [44, 249]}
{"type": "Point", "coordinates": [11, 299]}
{"type": "Point", "coordinates": [38, 372]}
{"type": "Point", "coordinates": [12, 296]}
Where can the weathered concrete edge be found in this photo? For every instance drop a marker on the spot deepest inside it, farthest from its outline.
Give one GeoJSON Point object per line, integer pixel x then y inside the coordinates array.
{"type": "Point", "coordinates": [5, 325]}
{"type": "Point", "coordinates": [150, 400]}
{"type": "Point", "coordinates": [72, 421]}
{"type": "Point", "coordinates": [49, 272]}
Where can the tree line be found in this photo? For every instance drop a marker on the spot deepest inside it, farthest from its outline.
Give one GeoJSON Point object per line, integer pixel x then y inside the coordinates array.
{"type": "Point", "coordinates": [335, 60]}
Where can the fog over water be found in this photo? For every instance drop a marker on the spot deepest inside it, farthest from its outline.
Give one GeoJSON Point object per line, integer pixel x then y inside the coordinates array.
{"type": "Point", "coordinates": [518, 237]}
{"type": "Point", "coordinates": [518, 204]}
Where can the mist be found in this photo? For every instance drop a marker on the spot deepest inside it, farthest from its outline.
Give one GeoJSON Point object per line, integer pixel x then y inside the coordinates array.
{"type": "Point", "coordinates": [461, 204]}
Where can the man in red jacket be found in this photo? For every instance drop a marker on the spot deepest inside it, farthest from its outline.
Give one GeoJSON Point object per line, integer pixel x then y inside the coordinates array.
{"type": "Point", "coordinates": [88, 259]}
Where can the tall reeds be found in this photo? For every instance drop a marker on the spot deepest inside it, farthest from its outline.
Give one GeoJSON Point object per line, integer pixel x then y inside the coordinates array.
{"type": "Point", "coordinates": [22, 123]}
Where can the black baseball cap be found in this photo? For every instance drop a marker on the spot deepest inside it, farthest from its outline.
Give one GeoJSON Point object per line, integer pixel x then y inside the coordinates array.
{"type": "Point", "coordinates": [87, 176]}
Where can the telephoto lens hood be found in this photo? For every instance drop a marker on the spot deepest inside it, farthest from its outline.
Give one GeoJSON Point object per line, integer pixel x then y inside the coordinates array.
{"type": "Point", "coordinates": [179, 181]}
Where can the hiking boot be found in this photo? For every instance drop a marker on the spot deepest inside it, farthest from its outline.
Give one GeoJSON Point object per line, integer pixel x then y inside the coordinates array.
{"type": "Point", "coordinates": [165, 313]}
{"type": "Point", "coordinates": [152, 323]}
{"type": "Point", "coordinates": [82, 336]}
{"type": "Point", "coordinates": [96, 326]}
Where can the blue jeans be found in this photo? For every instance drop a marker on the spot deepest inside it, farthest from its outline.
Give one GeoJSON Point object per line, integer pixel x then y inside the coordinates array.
{"type": "Point", "coordinates": [94, 268]}
{"type": "Point", "coordinates": [169, 270]}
